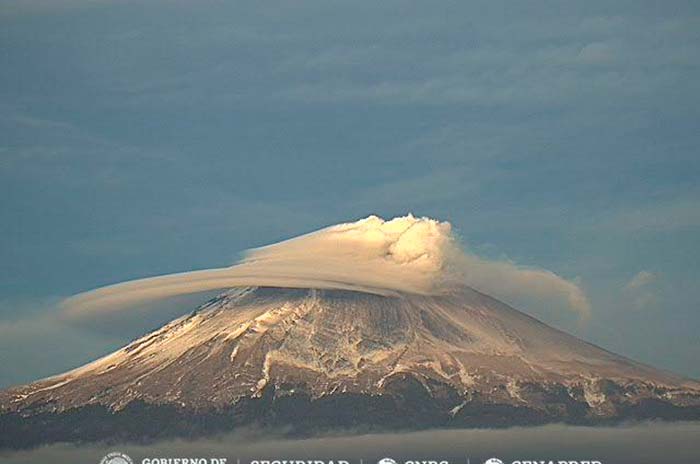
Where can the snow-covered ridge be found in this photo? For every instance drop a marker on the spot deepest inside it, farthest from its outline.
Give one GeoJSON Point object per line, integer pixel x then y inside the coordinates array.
{"type": "Point", "coordinates": [327, 342]}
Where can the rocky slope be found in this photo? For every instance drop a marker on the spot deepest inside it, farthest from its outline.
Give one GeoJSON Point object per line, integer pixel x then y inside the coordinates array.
{"type": "Point", "coordinates": [313, 359]}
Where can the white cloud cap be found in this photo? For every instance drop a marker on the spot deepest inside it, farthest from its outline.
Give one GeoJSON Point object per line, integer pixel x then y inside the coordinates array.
{"type": "Point", "coordinates": [401, 255]}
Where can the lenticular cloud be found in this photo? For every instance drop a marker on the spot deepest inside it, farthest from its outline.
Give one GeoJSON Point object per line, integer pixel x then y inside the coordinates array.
{"type": "Point", "coordinates": [401, 255]}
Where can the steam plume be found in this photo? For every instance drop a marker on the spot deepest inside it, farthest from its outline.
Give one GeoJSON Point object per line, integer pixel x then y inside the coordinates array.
{"type": "Point", "coordinates": [402, 255]}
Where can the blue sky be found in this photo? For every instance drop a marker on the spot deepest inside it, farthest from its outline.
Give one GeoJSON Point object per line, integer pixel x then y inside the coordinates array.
{"type": "Point", "coordinates": [141, 138]}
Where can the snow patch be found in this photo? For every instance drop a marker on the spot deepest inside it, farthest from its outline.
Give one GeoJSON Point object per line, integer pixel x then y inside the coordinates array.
{"type": "Point", "coordinates": [593, 396]}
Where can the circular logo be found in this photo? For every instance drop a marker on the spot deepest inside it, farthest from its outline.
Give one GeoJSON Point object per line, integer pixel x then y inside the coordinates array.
{"type": "Point", "coordinates": [116, 458]}
{"type": "Point", "coordinates": [386, 461]}
{"type": "Point", "coordinates": [493, 461]}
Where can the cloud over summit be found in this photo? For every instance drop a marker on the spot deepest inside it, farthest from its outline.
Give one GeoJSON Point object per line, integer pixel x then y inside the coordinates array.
{"type": "Point", "coordinates": [388, 257]}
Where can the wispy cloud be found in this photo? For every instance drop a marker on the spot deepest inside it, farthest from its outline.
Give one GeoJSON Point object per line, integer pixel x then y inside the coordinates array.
{"type": "Point", "coordinates": [639, 290]}
{"type": "Point", "coordinates": [405, 254]}
{"type": "Point", "coordinates": [640, 280]}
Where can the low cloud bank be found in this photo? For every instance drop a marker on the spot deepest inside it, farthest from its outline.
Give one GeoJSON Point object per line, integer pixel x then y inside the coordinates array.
{"type": "Point", "coordinates": [404, 254]}
{"type": "Point", "coordinates": [638, 444]}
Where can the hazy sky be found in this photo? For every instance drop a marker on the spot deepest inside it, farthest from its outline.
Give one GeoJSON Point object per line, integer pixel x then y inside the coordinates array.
{"type": "Point", "coordinates": [150, 137]}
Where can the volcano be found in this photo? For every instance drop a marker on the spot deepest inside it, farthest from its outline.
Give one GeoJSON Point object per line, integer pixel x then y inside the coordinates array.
{"type": "Point", "coordinates": [308, 359]}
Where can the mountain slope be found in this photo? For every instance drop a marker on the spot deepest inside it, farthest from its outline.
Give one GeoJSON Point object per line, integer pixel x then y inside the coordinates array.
{"type": "Point", "coordinates": [316, 358]}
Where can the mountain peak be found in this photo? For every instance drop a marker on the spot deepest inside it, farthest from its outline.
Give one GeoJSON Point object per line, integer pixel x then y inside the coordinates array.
{"type": "Point", "coordinates": [457, 352]}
